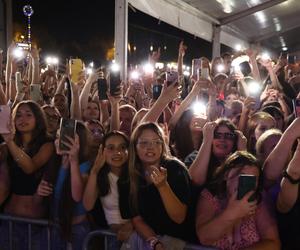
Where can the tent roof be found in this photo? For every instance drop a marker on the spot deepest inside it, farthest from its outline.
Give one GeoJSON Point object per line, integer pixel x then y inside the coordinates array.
{"type": "Point", "coordinates": [273, 23]}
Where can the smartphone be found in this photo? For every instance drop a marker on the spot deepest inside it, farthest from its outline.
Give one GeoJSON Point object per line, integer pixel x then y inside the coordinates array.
{"type": "Point", "coordinates": [76, 66]}
{"type": "Point", "coordinates": [171, 77]}
{"type": "Point", "coordinates": [196, 66]}
{"type": "Point", "coordinates": [156, 89]}
{"type": "Point", "coordinates": [114, 82]}
{"type": "Point", "coordinates": [291, 59]}
{"type": "Point", "coordinates": [102, 88]}
{"type": "Point", "coordinates": [4, 119]}
{"type": "Point", "coordinates": [246, 184]}
{"type": "Point", "coordinates": [204, 73]}
{"type": "Point", "coordinates": [67, 128]}
{"type": "Point", "coordinates": [296, 104]}
{"type": "Point", "coordinates": [35, 92]}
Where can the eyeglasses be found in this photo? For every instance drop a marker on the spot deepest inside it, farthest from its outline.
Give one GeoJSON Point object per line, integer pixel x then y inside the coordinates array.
{"type": "Point", "coordinates": [119, 148]}
{"type": "Point", "coordinates": [226, 136]}
{"type": "Point", "coordinates": [148, 144]}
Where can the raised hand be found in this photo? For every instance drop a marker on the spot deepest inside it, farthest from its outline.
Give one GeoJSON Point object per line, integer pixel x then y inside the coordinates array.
{"type": "Point", "coordinates": [241, 140]}
{"type": "Point", "coordinates": [239, 209]}
{"type": "Point", "coordinates": [208, 130]}
{"type": "Point", "coordinates": [100, 160]}
{"type": "Point", "coordinates": [158, 176]}
{"type": "Point", "coordinates": [182, 49]}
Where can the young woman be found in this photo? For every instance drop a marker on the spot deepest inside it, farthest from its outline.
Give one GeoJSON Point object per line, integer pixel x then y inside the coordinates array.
{"type": "Point", "coordinates": [258, 123]}
{"type": "Point", "coordinates": [158, 189]}
{"type": "Point", "coordinates": [220, 139]}
{"type": "Point", "coordinates": [29, 150]}
{"type": "Point", "coordinates": [111, 162]}
{"type": "Point", "coordinates": [65, 183]}
{"type": "Point", "coordinates": [225, 222]}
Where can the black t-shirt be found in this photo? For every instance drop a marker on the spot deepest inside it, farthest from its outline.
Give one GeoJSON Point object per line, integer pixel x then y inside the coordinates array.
{"type": "Point", "coordinates": [150, 204]}
{"type": "Point", "coordinates": [289, 227]}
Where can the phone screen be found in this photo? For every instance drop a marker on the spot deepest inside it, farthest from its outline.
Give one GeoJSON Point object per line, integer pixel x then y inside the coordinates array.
{"type": "Point", "coordinates": [114, 82]}
{"type": "Point", "coordinates": [196, 65]}
{"type": "Point", "coordinates": [246, 184]}
{"type": "Point", "coordinates": [102, 89]}
{"type": "Point", "coordinates": [67, 128]}
{"type": "Point", "coordinates": [171, 77]}
{"type": "Point", "coordinates": [156, 91]}
{"type": "Point", "coordinates": [291, 59]}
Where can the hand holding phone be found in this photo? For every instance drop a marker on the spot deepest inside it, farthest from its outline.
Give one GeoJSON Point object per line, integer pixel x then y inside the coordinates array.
{"type": "Point", "coordinates": [102, 88]}
{"type": "Point", "coordinates": [114, 82]}
{"type": "Point", "coordinates": [75, 67]}
{"type": "Point", "coordinates": [171, 77]}
{"type": "Point", "coordinates": [67, 128]}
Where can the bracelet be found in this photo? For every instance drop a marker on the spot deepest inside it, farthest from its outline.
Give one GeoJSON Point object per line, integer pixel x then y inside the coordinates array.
{"type": "Point", "coordinates": [290, 178]}
{"type": "Point", "coordinates": [17, 159]}
{"type": "Point", "coordinates": [153, 241]}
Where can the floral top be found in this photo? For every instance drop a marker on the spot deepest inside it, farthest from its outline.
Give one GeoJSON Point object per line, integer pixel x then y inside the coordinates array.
{"type": "Point", "coordinates": [244, 234]}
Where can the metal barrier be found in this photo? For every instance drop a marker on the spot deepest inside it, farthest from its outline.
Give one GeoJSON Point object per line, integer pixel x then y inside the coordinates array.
{"type": "Point", "coordinates": [12, 219]}
{"type": "Point", "coordinates": [48, 225]}
{"type": "Point", "coordinates": [106, 233]}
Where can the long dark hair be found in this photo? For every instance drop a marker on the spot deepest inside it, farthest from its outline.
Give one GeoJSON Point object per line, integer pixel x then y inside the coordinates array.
{"type": "Point", "coordinates": [181, 135]}
{"type": "Point", "coordinates": [102, 178]}
{"type": "Point", "coordinates": [66, 202]}
{"type": "Point", "coordinates": [239, 159]}
{"type": "Point", "coordinates": [39, 134]}
{"type": "Point", "coordinates": [135, 168]}
{"type": "Point", "coordinates": [214, 162]}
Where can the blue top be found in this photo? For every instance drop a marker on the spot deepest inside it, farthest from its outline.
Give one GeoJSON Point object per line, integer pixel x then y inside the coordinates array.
{"type": "Point", "coordinates": [62, 175]}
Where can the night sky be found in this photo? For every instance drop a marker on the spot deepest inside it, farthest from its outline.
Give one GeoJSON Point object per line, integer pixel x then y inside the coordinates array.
{"type": "Point", "coordinates": [85, 29]}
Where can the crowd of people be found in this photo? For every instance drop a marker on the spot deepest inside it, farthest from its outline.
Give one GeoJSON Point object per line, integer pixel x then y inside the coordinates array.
{"type": "Point", "coordinates": [149, 162]}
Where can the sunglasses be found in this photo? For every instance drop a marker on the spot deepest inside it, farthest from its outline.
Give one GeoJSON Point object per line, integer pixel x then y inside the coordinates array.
{"type": "Point", "coordinates": [226, 136]}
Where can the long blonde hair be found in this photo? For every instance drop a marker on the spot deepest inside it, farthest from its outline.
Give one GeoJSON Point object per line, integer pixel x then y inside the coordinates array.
{"type": "Point", "coordinates": [135, 165]}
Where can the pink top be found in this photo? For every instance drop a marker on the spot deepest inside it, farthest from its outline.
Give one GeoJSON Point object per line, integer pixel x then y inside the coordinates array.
{"type": "Point", "coordinates": [244, 235]}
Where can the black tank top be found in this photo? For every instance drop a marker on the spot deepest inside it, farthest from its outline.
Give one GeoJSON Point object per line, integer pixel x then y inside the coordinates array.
{"type": "Point", "coordinates": [21, 182]}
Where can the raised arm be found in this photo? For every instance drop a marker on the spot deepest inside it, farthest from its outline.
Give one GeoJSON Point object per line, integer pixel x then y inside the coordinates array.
{"type": "Point", "coordinates": [199, 168]}
{"type": "Point", "coordinates": [91, 192]}
{"type": "Point", "coordinates": [278, 158]}
{"type": "Point", "coordinates": [168, 94]}
{"type": "Point", "coordinates": [289, 192]}
{"type": "Point", "coordinates": [84, 95]}
{"type": "Point", "coordinates": [187, 102]}
{"type": "Point", "coordinates": [35, 66]}
{"type": "Point", "coordinates": [181, 53]}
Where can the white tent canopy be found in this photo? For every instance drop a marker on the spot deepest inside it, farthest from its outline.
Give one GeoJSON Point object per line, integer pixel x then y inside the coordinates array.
{"type": "Point", "coordinates": [273, 23]}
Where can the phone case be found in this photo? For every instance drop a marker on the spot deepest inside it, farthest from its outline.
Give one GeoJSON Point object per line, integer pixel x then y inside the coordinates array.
{"type": "Point", "coordinates": [4, 119]}
{"type": "Point", "coordinates": [196, 65]}
{"type": "Point", "coordinates": [67, 128]}
{"type": "Point", "coordinates": [171, 77]}
{"type": "Point", "coordinates": [114, 82]}
{"type": "Point", "coordinates": [246, 184]}
{"type": "Point", "coordinates": [102, 89]}
{"type": "Point", "coordinates": [76, 66]}
{"type": "Point", "coordinates": [156, 91]}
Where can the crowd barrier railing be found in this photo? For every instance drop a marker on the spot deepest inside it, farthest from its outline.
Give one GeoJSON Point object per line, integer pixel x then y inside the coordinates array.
{"type": "Point", "coordinates": [47, 225]}
{"type": "Point", "coordinates": [13, 219]}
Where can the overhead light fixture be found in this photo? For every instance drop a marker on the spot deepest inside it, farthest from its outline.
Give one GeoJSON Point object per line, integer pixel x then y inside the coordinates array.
{"type": "Point", "coordinates": [284, 48]}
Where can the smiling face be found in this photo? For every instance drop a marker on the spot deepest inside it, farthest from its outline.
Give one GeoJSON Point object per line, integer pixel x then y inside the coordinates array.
{"type": "Point", "coordinates": [25, 121]}
{"type": "Point", "coordinates": [149, 147]}
{"type": "Point", "coordinates": [223, 142]}
{"type": "Point", "coordinates": [116, 151]}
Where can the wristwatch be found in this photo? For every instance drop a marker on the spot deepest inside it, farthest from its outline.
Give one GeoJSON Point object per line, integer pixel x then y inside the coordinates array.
{"type": "Point", "coordinates": [290, 178]}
